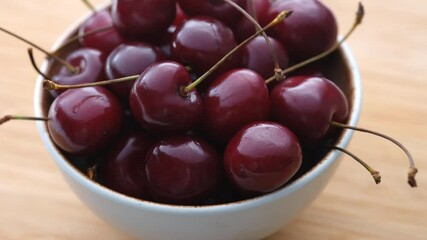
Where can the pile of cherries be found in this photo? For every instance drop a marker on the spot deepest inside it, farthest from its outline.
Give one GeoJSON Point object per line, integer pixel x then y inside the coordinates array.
{"type": "Point", "coordinates": [232, 137]}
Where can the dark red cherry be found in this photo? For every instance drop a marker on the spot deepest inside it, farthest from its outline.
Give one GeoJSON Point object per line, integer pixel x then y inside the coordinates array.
{"type": "Point", "coordinates": [262, 157]}
{"type": "Point", "coordinates": [122, 168]}
{"type": "Point", "coordinates": [157, 102]}
{"type": "Point", "coordinates": [310, 30]}
{"type": "Point", "coordinates": [201, 42]}
{"type": "Point", "coordinates": [214, 8]}
{"type": "Point", "coordinates": [245, 28]}
{"type": "Point", "coordinates": [136, 18]}
{"type": "Point", "coordinates": [238, 97]}
{"type": "Point", "coordinates": [130, 59]}
{"type": "Point", "coordinates": [105, 41]}
{"type": "Point", "coordinates": [83, 120]}
{"type": "Point", "coordinates": [89, 63]}
{"type": "Point", "coordinates": [183, 170]}
{"type": "Point", "coordinates": [307, 105]}
{"type": "Point", "coordinates": [256, 55]}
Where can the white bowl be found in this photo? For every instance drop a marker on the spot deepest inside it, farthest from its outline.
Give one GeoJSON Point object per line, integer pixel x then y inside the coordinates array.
{"type": "Point", "coordinates": [248, 219]}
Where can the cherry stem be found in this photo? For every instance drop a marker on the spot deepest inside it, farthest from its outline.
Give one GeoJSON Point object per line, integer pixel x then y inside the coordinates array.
{"type": "Point", "coordinates": [277, 70]}
{"type": "Point", "coordinates": [412, 169]}
{"type": "Point", "coordinates": [253, 12]}
{"type": "Point", "coordinates": [51, 85]}
{"type": "Point", "coordinates": [18, 117]}
{"type": "Point", "coordinates": [280, 17]}
{"type": "Point", "coordinates": [33, 62]}
{"type": "Point", "coordinates": [70, 67]}
{"type": "Point", "coordinates": [89, 5]}
{"type": "Point", "coordinates": [76, 37]}
{"type": "Point", "coordinates": [91, 172]}
{"type": "Point", "coordinates": [359, 16]}
{"type": "Point", "coordinates": [375, 174]}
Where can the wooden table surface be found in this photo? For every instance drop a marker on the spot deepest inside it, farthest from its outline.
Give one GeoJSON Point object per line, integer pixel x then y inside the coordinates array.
{"type": "Point", "coordinates": [391, 50]}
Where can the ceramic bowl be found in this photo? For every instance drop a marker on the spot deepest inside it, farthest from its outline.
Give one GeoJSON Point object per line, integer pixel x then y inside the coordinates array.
{"type": "Point", "coordinates": [248, 219]}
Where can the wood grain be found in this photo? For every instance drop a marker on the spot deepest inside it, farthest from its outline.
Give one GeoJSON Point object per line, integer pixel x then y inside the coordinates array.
{"type": "Point", "coordinates": [390, 47]}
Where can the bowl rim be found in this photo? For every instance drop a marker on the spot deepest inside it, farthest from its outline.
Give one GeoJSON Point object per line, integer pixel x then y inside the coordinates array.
{"type": "Point", "coordinates": [327, 161]}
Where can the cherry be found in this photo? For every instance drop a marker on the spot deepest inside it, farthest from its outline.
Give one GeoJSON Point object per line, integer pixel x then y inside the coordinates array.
{"type": "Point", "coordinates": [81, 121]}
{"type": "Point", "coordinates": [308, 105]}
{"type": "Point", "coordinates": [256, 56]}
{"type": "Point", "coordinates": [104, 41]}
{"type": "Point", "coordinates": [311, 30]}
{"type": "Point", "coordinates": [201, 42]}
{"type": "Point", "coordinates": [89, 63]}
{"type": "Point", "coordinates": [182, 170]}
{"type": "Point", "coordinates": [214, 69]}
{"type": "Point", "coordinates": [306, 63]}
{"type": "Point", "coordinates": [236, 98]}
{"type": "Point", "coordinates": [214, 8]}
{"type": "Point", "coordinates": [136, 18]}
{"type": "Point", "coordinates": [158, 102]}
{"type": "Point", "coordinates": [314, 107]}
{"type": "Point", "coordinates": [127, 59]}
{"type": "Point", "coordinates": [262, 157]}
{"type": "Point", "coordinates": [122, 168]}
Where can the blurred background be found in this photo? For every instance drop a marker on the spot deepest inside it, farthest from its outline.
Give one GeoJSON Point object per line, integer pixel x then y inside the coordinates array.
{"type": "Point", "coordinates": [390, 48]}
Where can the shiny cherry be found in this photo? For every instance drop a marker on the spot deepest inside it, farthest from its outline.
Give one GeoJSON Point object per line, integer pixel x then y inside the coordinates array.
{"type": "Point", "coordinates": [307, 105]}
{"type": "Point", "coordinates": [214, 8]}
{"type": "Point", "coordinates": [89, 63]}
{"type": "Point", "coordinates": [201, 42]}
{"type": "Point", "coordinates": [256, 56]}
{"type": "Point", "coordinates": [238, 97]}
{"type": "Point", "coordinates": [130, 59]}
{"type": "Point", "coordinates": [81, 121]}
{"type": "Point", "coordinates": [158, 103]}
{"type": "Point", "coordinates": [105, 41]}
{"type": "Point", "coordinates": [182, 170]}
{"type": "Point", "coordinates": [310, 30]}
{"type": "Point", "coordinates": [136, 18]}
{"type": "Point", "coordinates": [262, 157]}
{"type": "Point", "coordinates": [122, 167]}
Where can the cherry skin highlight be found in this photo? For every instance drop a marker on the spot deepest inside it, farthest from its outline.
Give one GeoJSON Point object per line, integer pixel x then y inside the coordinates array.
{"type": "Point", "coordinates": [307, 105]}
{"type": "Point", "coordinates": [182, 170]}
{"type": "Point", "coordinates": [262, 157]}
{"type": "Point", "coordinates": [158, 103]}
{"type": "Point", "coordinates": [236, 98]}
{"type": "Point", "coordinates": [90, 64]}
{"type": "Point", "coordinates": [201, 42]}
{"type": "Point", "coordinates": [105, 41]}
{"type": "Point", "coordinates": [82, 121]}
{"type": "Point", "coordinates": [128, 59]}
